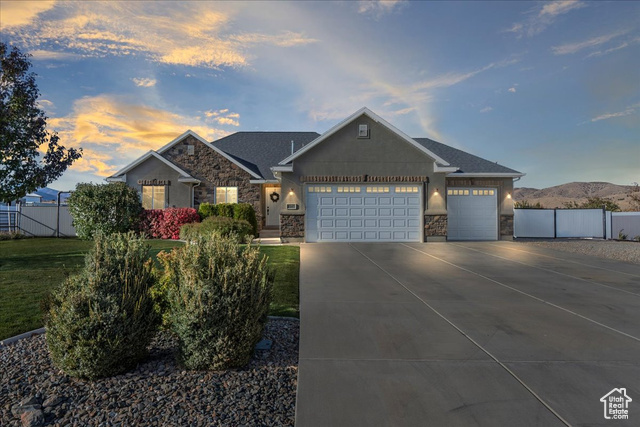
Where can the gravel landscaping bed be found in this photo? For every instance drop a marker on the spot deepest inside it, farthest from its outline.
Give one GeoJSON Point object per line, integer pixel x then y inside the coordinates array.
{"type": "Point", "coordinates": [157, 392]}
{"type": "Point", "coordinates": [612, 249]}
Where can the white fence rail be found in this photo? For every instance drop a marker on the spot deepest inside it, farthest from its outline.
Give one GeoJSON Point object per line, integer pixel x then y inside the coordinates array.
{"type": "Point", "coordinates": [37, 220]}
{"type": "Point", "coordinates": [626, 222]}
{"type": "Point", "coordinates": [538, 223]}
{"type": "Point", "coordinates": [575, 223]}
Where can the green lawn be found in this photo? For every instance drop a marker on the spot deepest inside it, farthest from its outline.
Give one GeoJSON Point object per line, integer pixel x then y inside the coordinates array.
{"type": "Point", "coordinates": [30, 268]}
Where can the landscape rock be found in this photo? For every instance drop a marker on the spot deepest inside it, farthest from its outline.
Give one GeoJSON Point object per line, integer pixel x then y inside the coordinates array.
{"type": "Point", "coordinates": [157, 392]}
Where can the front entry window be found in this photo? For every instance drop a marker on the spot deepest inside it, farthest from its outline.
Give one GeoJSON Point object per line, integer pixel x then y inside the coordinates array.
{"type": "Point", "coordinates": [226, 195]}
{"type": "Point", "coordinates": [153, 196]}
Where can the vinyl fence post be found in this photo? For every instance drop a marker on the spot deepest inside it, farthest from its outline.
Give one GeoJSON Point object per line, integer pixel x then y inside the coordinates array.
{"type": "Point", "coordinates": [555, 227]}
{"type": "Point", "coordinates": [604, 223]}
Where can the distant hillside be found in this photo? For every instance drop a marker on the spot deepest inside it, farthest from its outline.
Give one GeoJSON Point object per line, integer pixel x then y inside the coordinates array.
{"type": "Point", "coordinates": [51, 195]}
{"type": "Point", "coordinates": [556, 197]}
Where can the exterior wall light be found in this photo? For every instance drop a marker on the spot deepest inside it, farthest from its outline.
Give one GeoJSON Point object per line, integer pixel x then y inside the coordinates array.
{"type": "Point", "coordinates": [508, 195]}
{"type": "Point", "coordinates": [291, 191]}
{"type": "Point", "coordinates": [435, 193]}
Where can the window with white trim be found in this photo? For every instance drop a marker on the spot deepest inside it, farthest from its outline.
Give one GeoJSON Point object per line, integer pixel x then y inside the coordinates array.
{"type": "Point", "coordinates": [153, 196]}
{"type": "Point", "coordinates": [226, 195]}
{"type": "Point", "coordinates": [319, 189]}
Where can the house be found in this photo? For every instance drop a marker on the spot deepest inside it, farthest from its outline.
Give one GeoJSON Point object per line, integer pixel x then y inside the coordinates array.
{"type": "Point", "coordinates": [362, 180]}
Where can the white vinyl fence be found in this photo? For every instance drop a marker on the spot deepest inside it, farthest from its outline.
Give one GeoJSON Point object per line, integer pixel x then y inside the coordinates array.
{"type": "Point", "coordinates": [574, 223]}
{"type": "Point", "coordinates": [37, 220]}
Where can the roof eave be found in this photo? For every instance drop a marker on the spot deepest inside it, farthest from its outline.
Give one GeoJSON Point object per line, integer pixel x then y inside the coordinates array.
{"type": "Point", "coordinates": [486, 174]}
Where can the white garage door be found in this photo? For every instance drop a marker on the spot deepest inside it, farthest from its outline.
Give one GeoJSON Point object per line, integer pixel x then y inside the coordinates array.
{"type": "Point", "coordinates": [472, 214]}
{"type": "Point", "coordinates": [356, 213]}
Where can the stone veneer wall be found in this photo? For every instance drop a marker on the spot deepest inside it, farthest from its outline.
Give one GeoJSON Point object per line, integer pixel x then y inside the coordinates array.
{"type": "Point", "coordinates": [214, 171]}
{"type": "Point", "coordinates": [291, 225]}
{"type": "Point", "coordinates": [435, 225]}
{"type": "Point", "coordinates": [506, 225]}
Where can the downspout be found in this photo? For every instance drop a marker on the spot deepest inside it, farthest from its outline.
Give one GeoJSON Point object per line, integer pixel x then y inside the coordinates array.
{"type": "Point", "coordinates": [193, 194]}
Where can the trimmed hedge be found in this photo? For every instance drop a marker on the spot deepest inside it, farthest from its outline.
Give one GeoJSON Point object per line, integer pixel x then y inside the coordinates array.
{"type": "Point", "coordinates": [166, 223]}
{"type": "Point", "coordinates": [243, 211]}
{"type": "Point", "coordinates": [101, 321]}
{"type": "Point", "coordinates": [217, 225]}
{"type": "Point", "coordinates": [104, 208]}
{"type": "Point", "coordinates": [218, 302]}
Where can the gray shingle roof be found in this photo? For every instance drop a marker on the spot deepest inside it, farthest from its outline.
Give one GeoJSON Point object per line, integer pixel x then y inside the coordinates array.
{"type": "Point", "coordinates": [259, 151]}
{"type": "Point", "coordinates": [468, 163]}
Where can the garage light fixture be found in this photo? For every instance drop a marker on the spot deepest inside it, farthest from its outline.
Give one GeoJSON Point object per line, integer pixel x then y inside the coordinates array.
{"type": "Point", "coordinates": [435, 193]}
{"type": "Point", "coordinates": [508, 195]}
{"type": "Point", "coordinates": [291, 191]}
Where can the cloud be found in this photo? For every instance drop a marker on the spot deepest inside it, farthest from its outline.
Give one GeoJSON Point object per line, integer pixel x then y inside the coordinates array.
{"type": "Point", "coordinates": [49, 55]}
{"type": "Point", "coordinates": [622, 45]}
{"type": "Point", "coordinates": [114, 130]}
{"type": "Point", "coordinates": [378, 8]}
{"type": "Point", "coordinates": [570, 48]}
{"type": "Point", "coordinates": [143, 82]}
{"type": "Point", "coordinates": [193, 34]}
{"type": "Point", "coordinates": [222, 117]}
{"type": "Point", "coordinates": [606, 116]}
{"type": "Point", "coordinates": [512, 89]}
{"type": "Point", "coordinates": [19, 13]}
{"type": "Point", "coordinates": [540, 19]}
{"type": "Point", "coordinates": [556, 8]}
{"type": "Point", "coordinates": [486, 109]}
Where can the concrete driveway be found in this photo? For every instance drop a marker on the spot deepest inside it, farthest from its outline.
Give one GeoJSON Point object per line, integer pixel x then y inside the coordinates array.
{"type": "Point", "coordinates": [456, 334]}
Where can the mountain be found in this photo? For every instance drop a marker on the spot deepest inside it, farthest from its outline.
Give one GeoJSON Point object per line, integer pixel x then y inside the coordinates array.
{"type": "Point", "coordinates": [556, 197]}
{"type": "Point", "coordinates": [51, 195]}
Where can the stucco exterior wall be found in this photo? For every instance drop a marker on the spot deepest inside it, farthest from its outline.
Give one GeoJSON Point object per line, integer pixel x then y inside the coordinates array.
{"type": "Point", "coordinates": [178, 194]}
{"type": "Point", "coordinates": [214, 171]}
{"type": "Point", "coordinates": [344, 154]}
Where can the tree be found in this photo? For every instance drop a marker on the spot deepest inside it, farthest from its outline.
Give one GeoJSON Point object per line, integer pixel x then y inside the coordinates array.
{"type": "Point", "coordinates": [634, 196]}
{"type": "Point", "coordinates": [594, 203]}
{"type": "Point", "coordinates": [23, 131]}
{"type": "Point", "coordinates": [526, 205]}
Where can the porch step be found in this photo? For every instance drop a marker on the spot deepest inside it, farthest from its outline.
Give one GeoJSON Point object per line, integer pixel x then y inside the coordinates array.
{"type": "Point", "coordinates": [268, 234]}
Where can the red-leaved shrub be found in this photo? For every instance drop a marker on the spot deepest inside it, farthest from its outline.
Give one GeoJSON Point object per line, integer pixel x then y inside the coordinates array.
{"type": "Point", "coordinates": [166, 223]}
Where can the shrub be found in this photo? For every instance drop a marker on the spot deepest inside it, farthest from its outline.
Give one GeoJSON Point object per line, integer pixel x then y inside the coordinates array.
{"type": "Point", "coordinates": [216, 225]}
{"type": "Point", "coordinates": [219, 301]}
{"type": "Point", "coordinates": [246, 212]}
{"type": "Point", "coordinates": [205, 210]}
{"type": "Point", "coordinates": [621, 235]}
{"type": "Point", "coordinates": [12, 235]}
{"type": "Point", "coordinates": [225, 209]}
{"type": "Point", "coordinates": [166, 223]}
{"type": "Point", "coordinates": [104, 208]}
{"type": "Point", "coordinates": [100, 322]}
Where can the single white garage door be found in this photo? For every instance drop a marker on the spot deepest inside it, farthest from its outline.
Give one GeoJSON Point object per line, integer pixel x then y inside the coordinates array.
{"type": "Point", "coordinates": [357, 213]}
{"type": "Point", "coordinates": [472, 214]}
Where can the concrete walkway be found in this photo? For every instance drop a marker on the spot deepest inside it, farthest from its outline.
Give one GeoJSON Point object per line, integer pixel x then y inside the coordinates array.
{"type": "Point", "coordinates": [448, 334]}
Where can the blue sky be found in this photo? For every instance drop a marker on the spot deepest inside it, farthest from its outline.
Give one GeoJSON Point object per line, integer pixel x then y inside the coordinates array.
{"type": "Point", "coordinates": [551, 89]}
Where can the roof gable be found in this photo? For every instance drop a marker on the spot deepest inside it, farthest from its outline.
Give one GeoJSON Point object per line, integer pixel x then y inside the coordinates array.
{"type": "Point", "coordinates": [143, 158]}
{"type": "Point", "coordinates": [364, 111]}
{"type": "Point", "coordinates": [232, 159]}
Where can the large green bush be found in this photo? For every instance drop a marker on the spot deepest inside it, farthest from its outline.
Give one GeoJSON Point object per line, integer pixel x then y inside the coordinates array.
{"type": "Point", "coordinates": [100, 322]}
{"type": "Point", "coordinates": [217, 225]}
{"type": "Point", "coordinates": [225, 209]}
{"type": "Point", "coordinates": [205, 210]}
{"type": "Point", "coordinates": [219, 301]}
{"type": "Point", "coordinates": [104, 208]}
{"type": "Point", "coordinates": [246, 212]}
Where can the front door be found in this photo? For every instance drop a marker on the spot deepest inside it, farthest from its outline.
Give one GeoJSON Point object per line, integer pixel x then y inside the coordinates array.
{"type": "Point", "coordinates": [272, 198]}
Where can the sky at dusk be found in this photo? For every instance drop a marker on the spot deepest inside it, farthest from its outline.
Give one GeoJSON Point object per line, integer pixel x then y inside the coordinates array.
{"type": "Point", "coordinates": [551, 89]}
